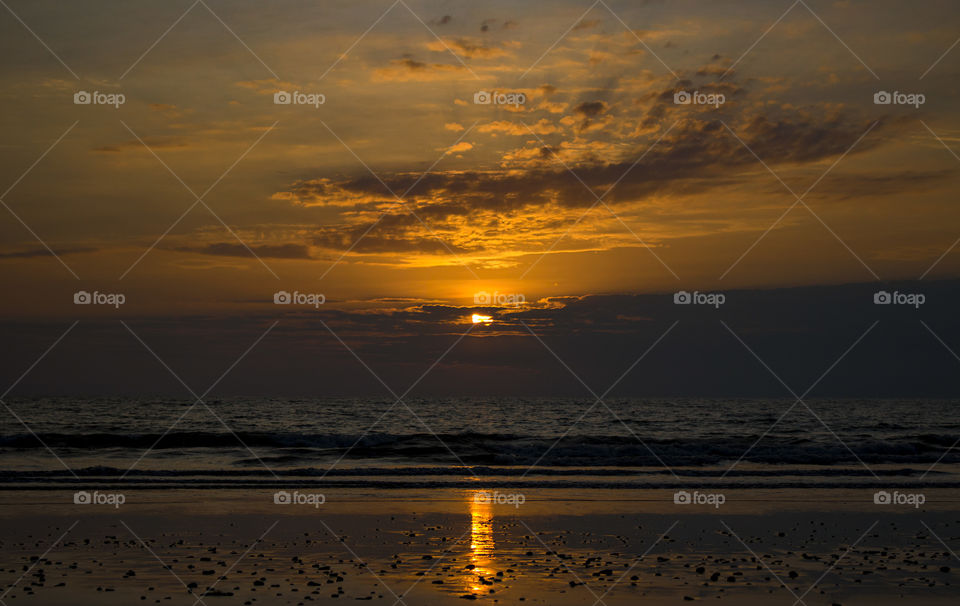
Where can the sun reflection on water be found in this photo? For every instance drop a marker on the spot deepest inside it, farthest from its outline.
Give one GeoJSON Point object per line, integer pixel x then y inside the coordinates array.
{"type": "Point", "coordinates": [481, 544]}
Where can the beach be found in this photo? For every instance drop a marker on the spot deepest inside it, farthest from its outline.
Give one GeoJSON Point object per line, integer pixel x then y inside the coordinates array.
{"type": "Point", "coordinates": [446, 546]}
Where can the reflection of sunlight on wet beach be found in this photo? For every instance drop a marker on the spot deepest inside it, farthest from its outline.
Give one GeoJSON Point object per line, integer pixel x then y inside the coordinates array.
{"type": "Point", "coordinates": [481, 528]}
{"type": "Point", "coordinates": [481, 543]}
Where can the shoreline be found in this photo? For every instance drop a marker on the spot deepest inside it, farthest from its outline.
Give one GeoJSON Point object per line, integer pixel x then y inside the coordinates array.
{"type": "Point", "coordinates": [536, 501]}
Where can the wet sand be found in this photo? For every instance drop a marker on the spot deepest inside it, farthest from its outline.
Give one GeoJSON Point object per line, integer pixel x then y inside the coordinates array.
{"type": "Point", "coordinates": [231, 547]}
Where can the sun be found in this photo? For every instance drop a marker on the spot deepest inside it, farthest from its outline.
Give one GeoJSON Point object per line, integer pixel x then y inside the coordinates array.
{"type": "Point", "coordinates": [478, 319]}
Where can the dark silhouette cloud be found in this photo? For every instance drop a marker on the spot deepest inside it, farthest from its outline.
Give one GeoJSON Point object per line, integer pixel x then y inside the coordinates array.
{"type": "Point", "coordinates": [798, 332]}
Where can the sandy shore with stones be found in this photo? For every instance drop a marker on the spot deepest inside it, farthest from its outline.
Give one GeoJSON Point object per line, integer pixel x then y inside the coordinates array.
{"type": "Point", "coordinates": [231, 547]}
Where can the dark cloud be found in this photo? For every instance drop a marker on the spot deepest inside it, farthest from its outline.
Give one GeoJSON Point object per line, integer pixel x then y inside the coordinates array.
{"type": "Point", "coordinates": [471, 48]}
{"type": "Point", "coordinates": [391, 233]}
{"type": "Point", "coordinates": [152, 142]}
{"type": "Point", "coordinates": [586, 24]}
{"type": "Point", "coordinates": [410, 69]}
{"type": "Point", "coordinates": [712, 70]}
{"type": "Point", "coordinates": [373, 243]}
{"type": "Point", "coordinates": [43, 252]}
{"type": "Point", "coordinates": [843, 188]}
{"type": "Point", "coordinates": [590, 109]}
{"type": "Point", "coordinates": [411, 64]}
{"type": "Point", "coordinates": [267, 251]}
{"type": "Point", "coordinates": [798, 332]}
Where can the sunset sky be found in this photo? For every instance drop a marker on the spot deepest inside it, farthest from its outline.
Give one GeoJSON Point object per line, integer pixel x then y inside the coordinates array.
{"type": "Point", "coordinates": [400, 198]}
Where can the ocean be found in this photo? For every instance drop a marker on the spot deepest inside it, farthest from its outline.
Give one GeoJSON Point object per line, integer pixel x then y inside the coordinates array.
{"type": "Point", "coordinates": [566, 443]}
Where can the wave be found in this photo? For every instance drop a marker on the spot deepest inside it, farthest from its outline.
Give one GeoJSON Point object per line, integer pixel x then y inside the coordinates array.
{"type": "Point", "coordinates": [473, 448]}
{"type": "Point", "coordinates": [469, 479]}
